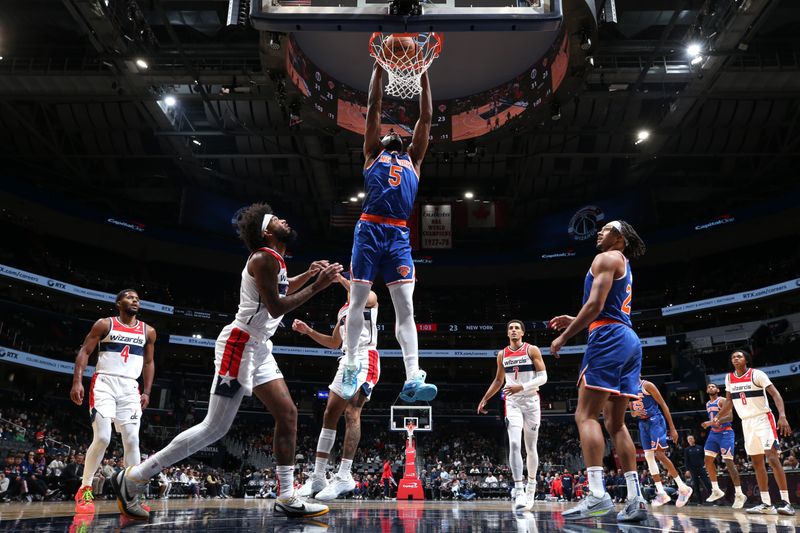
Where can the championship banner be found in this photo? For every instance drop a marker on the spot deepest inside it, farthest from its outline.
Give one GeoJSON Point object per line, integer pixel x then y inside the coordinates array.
{"type": "Point", "coordinates": [437, 226]}
{"type": "Point", "coordinates": [37, 361]}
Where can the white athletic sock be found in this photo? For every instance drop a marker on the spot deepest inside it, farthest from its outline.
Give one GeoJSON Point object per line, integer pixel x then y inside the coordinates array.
{"type": "Point", "coordinates": [715, 485]}
{"type": "Point", "coordinates": [595, 474]}
{"type": "Point", "coordinates": [519, 484]}
{"type": "Point", "coordinates": [221, 412]}
{"type": "Point", "coordinates": [680, 483]}
{"type": "Point", "coordinates": [359, 293]}
{"type": "Point", "coordinates": [632, 481]}
{"type": "Point", "coordinates": [285, 480]}
{"type": "Point", "coordinates": [738, 489]}
{"type": "Point", "coordinates": [320, 465]}
{"type": "Point", "coordinates": [765, 499]}
{"type": "Point", "coordinates": [659, 487]}
{"type": "Point", "coordinates": [344, 467]}
{"type": "Point", "coordinates": [785, 495]}
{"type": "Point", "coordinates": [405, 329]}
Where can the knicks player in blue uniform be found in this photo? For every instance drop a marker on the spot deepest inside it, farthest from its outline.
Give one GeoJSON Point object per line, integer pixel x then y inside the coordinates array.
{"type": "Point", "coordinates": [654, 419]}
{"type": "Point", "coordinates": [381, 242]}
{"type": "Point", "coordinates": [610, 368]}
{"type": "Point", "coordinates": [720, 441]}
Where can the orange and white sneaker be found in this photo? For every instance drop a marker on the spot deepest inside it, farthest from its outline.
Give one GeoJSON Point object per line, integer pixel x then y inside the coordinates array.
{"type": "Point", "coordinates": [84, 500]}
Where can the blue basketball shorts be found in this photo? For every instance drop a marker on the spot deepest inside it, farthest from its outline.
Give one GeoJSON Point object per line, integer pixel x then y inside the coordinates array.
{"type": "Point", "coordinates": [381, 249]}
{"type": "Point", "coordinates": [653, 433]}
{"type": "Point", "coordinates": [613, 360]}
{"type": "Point", "coordinates": [720, 443]}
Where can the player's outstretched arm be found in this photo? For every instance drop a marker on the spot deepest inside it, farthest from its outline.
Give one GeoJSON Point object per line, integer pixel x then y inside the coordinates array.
{"type": "Point", "coordinates": [499, 378]}
{"type": "Point", "coordinates": [332, 341]}
{"type": "Point", "coordinates": [783, 424]}
{"type": "Point", "coordinates": [604, 267]}
{"type": "Point", "coordinates": [264, 268]}
{"type": "Point", "coordinates": [149, 368]}
{"type": "Point", "coordinates": [372, 130]}
{"type": "Point", "coordinates": [726, 410]}
{"type": "Point", "coordinates": [653, 391]}
{"type": "Point", "coordinates": [296, 283]}
{"type": "Point", "coordinates": [422, 130]}
{"type": "Point", "coordinates": [99, 330]}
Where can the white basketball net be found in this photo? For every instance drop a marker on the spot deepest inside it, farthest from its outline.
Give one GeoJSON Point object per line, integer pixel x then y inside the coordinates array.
{"type": "Point", "coordinates": [405, 67]}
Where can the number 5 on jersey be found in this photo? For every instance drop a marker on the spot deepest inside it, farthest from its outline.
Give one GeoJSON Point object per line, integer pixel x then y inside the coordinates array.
{"type": "Point", "coordinates": [396, 175]}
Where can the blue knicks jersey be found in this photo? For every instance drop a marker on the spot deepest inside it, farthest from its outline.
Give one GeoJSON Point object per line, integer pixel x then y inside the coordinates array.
{"type": "Point", "coordinates": [712, 407]}
{"type": "Point", "coordinates": [390, 186]}
{"type": "Point", "coordinates": [618, 301]}
{"type": "Point", "coordinates": [645, 406]}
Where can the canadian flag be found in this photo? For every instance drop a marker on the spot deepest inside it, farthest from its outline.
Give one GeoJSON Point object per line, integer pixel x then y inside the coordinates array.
{"type": "Point", "coordinates": [481, 215]}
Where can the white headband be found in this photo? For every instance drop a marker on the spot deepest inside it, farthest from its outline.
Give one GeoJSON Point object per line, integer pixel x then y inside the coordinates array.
{"type": "Point", "coordinates": [617, 225]}
{"type": "Point", "coordinates": [265, 222]}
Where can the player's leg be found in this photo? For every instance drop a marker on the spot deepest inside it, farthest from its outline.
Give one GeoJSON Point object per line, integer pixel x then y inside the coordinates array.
{"type": "Point", "coordinates": [343, 481]}
{"type": "Point", "coordinates": [783, 506]}
{"type": "Point", "coordinates": [364, 260]}
{"type": "Point", "coordinates": [530, 435]}
{"type": "Point", "coordinates": [726, 450]}
{"type": "Point", "coordinates": [101, 437]}
{"type": "Point", "coordinates": [327, 436]}
{"type": "Point", "coordinates": [515, 421]}
{"type": "Point", "coordinates": [614, 417]}
{"type": "Point", "coordinates": [684, 490]}
{"type": "Point", "coordinates": [763, 484]}
{"type": "Point", "coordinates": [711, 467]}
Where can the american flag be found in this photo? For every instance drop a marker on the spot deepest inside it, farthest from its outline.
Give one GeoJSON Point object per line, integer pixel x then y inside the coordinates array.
{"type": "Point", "coordinates": [345, 214]}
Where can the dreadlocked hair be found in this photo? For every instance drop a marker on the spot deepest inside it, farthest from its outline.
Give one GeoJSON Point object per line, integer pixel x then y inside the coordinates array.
{"type": "Point", "coordinates": [250, 225]}
{"type": "Point", "coordinates": [634, 245]}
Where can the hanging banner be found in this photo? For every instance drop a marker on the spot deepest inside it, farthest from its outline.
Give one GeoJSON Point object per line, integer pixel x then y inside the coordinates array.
{"type": "Point", "coordinates": [437, 226]}
{"type": "Point", "coordinates": [19, 357]}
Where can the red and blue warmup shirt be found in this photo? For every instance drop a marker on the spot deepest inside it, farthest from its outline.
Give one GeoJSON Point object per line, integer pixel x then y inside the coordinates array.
{"type": "Point", "coordinates": [390, 186]}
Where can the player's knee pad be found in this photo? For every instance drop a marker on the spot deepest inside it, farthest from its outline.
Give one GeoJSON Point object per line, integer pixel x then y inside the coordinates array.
{"type": "Point", "coordinates": [326, 439]}
{"type": "Point", "coordinates": [650, 458]}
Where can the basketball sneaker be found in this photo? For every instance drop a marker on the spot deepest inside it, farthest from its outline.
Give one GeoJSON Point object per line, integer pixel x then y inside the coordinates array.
{"type": "Point", "coordinates": [295, 507]}
{"type": "Point", "coordinates": [739, 500]}
{"type": "Point", "coordinates": [520, 499]}
{"type": "Point", "coordinates": [683, 496]}
{"type": "Point", "coordinates": [530, 495]}
{"type": "Point", "coordinates": [338, 486]}
{"type": "Point", "coordinates": [715, 495]}
{"type": "Point", "coordinates": [785, 508]}
{"type": "Point", "coordinates": [660, 499]}
{"type": "Point", "coordinates": [635, 510]}
{"type": "Point", "coordinates": [84, 500]}
{"type": "Point", "coordinates": [143, 503]}
{"type": "Point", "coordinates": [416, 390]}
{"type": "Point", "coordinates": [126, 491]}
{"type": "Point", "coordinates": [312, 486]}
{"type": "Point", "coordinates": [762, 508]}
{"type": "Point", "coordinates": [590, 507]}
{"type": "Point", "coordinates": [350, 380]}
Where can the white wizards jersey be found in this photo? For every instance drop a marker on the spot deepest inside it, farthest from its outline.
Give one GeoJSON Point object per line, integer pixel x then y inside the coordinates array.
{"type": "Point", "coordinates": [252, 311]}
{"type": "Point", "coordinates": [519, 368]}
{"type": "Point", "coordinates": [121, 351]}
{"type": "Point", "coordinates": [748, 392]}
{"type": "Point", "coordinates": [369, 333]}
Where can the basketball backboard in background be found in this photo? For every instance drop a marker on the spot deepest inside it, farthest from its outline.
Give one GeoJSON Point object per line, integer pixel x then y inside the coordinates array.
{"type": "Point", "coordinates": [401, 415]}
{"type": "Point", "coordinates": [421, 16]}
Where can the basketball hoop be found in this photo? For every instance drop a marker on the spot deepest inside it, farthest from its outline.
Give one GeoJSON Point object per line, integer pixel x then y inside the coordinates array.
{"type": "Point", "coordinates": [410, 427]}
{"type": "Point", "coordinates": [405, 68]}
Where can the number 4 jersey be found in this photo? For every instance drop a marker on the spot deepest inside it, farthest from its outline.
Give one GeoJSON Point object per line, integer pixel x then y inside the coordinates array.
{"type": "Point", "coordinates": [390, 185]}
{"type": "Point", "coordinates": [121, 351]}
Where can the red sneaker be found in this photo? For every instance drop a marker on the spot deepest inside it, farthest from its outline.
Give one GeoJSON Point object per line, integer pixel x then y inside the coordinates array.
{"type": "Point", "coordinates": [84, 500]}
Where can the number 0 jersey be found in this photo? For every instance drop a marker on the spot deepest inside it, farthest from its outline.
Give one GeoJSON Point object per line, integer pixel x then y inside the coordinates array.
{"type": "Point", "coordinates": [369, 333]}
{"type": "Point", "coordinates": [519, 368]}
{"type": "Point", "coordinates": [618, 302]}
{"type": "Point", "coordinates": [749, 392]}
{"type": "Point", "coordinates": [121, 351]}
{"type": "Point", "coordinates": [390, 185]}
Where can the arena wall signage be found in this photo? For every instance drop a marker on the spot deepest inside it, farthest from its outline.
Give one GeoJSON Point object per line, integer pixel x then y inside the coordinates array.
{"type": "Point", "coordinates": [61, 286]}
{"type": "Point", "coordinates": [728, 299]}
{"type": "Point", "coordinates": [37, 361]}
{"type": "Point", "coordinates": [775, 371]}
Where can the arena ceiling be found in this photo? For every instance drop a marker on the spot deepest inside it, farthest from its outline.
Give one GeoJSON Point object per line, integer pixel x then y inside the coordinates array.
{"type": "Point", "coordinates": [78, 114]}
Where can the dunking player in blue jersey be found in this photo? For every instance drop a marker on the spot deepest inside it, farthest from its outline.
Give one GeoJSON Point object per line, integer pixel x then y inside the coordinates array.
{"type": "Point", "coordinates": [381, 240]}
{"type": "Point", "coordinates": [720, 441]}
{"type": "Point", "coordinates": [610, 368]}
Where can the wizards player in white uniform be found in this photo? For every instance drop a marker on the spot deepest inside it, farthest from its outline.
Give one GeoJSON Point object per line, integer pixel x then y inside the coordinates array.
{"type": "Point", "coordinates": [610, 368]}
{"type": "Point", "coordinates": [369, 360]}
{"type": "Point", "coordinates": [654, 418]}
{"type": "Point", "coordinates": [746, 390]}
{"type": "Point", "coordinates": [720, 441]}
{"type": "Point", "coordinates": [244, 365]}
{"type": "Point", "coordinates": [125, 351]}
{"type": "Point", "coordinates": [521, 367]}
{"type": "Point", "coordinates": [381, 242]}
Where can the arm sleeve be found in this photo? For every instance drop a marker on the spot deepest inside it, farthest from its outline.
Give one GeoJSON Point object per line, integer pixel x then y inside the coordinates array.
{"type": "Point", "coordinates": [540, 378]}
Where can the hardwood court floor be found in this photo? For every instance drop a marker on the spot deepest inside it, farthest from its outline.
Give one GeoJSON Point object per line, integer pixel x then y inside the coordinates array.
{"type": "Point", "coordinates": [235, 515]}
